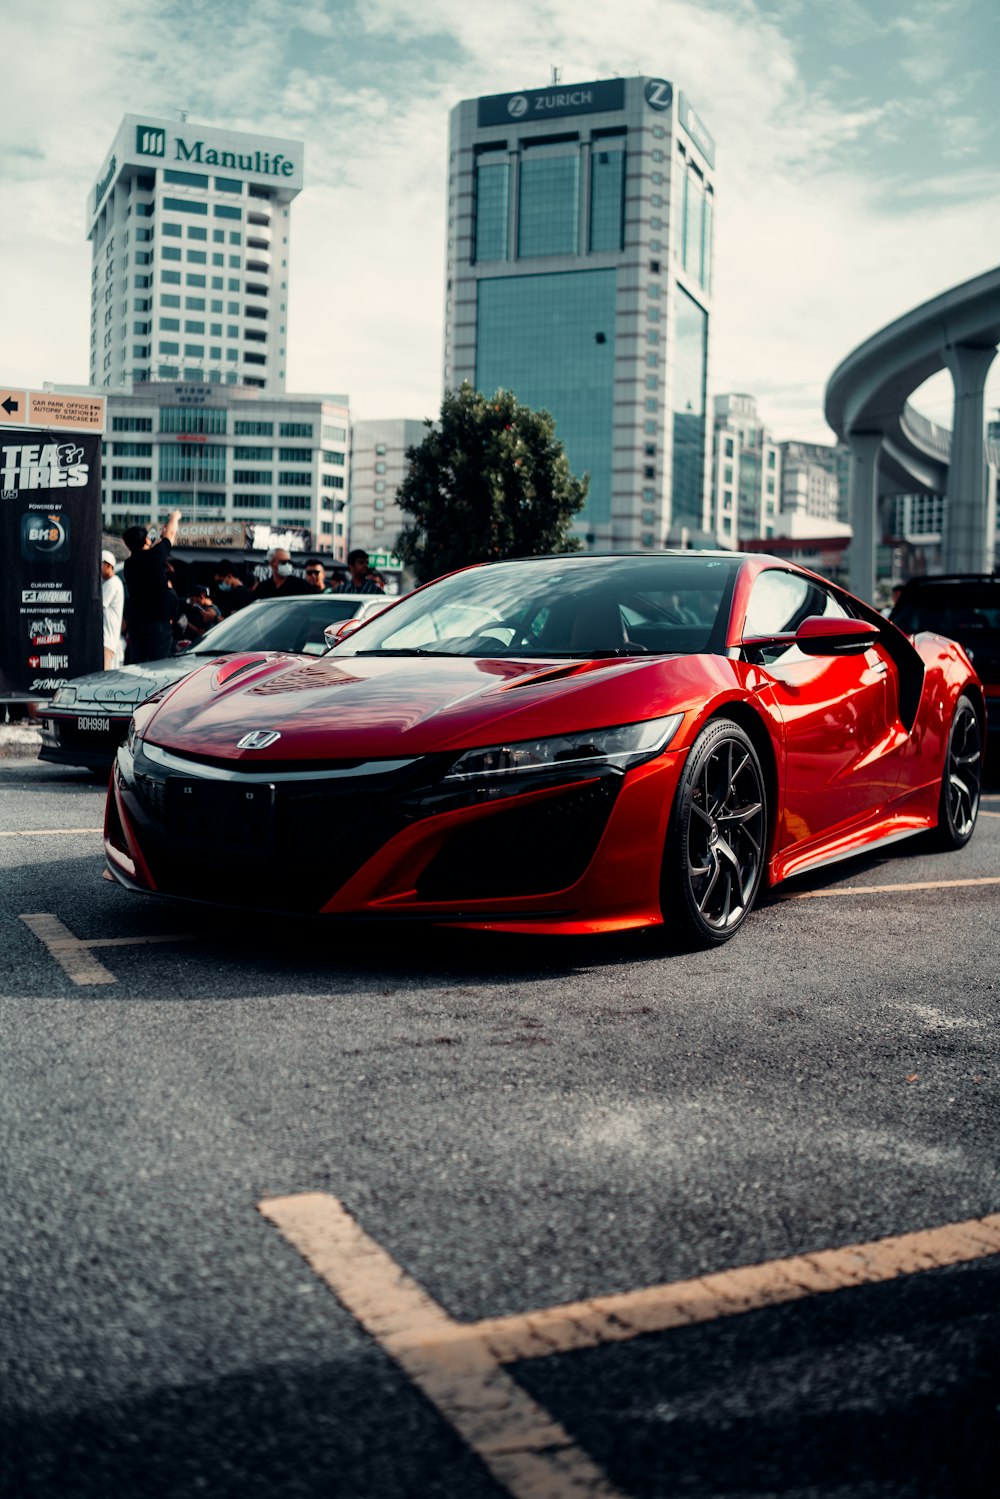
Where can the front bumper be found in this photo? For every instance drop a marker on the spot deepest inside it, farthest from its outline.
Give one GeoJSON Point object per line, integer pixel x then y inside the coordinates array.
{"type": "Point", "coordinates": [568, 850]}
{"type": "Point", "coordinates": [87, 738]}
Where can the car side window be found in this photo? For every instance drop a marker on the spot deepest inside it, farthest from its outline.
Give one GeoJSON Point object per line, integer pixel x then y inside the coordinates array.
{"type": "Point", "coordinates": [779, 602]}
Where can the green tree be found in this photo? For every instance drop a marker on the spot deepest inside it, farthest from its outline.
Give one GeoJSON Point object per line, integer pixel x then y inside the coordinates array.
{"type": "Point", "coordinates": [490, 480]}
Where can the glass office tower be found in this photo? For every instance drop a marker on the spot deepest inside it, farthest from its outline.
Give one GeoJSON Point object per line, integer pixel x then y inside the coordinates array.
{"type": "Point", "coordinates": [579, 277]}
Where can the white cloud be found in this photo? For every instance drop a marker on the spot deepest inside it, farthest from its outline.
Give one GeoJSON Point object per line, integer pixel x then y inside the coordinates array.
{"type": "Point", "coordinates": [811, 257]}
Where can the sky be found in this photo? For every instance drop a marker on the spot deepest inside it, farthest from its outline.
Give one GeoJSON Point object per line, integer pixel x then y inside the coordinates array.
{"type": "Point", "coordinates": [857, 167]}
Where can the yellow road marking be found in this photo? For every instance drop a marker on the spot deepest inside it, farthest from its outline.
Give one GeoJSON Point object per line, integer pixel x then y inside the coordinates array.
{"type": "Point", "coordinates": [73, 953]}
{"type": "Point", "coordinates": [526, 1451]}
{"type": "Point", "coordinates": [458, 1365]}
{"type": "Point", "coordinates": [990, 879]}
{"type": "Point", "coordinates": [47, 832]}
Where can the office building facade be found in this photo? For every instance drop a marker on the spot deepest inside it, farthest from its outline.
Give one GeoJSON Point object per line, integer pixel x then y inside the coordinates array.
{"type": "Point", "coordinates": [228, 459]}
{"type": "Point", "coordinates": [378, 467]}
{"type": "Point", "coordinates": [746, 472]}
{"type": "Point", "coordinates": [579, 267]}
{"type": "Point", "coordinates": [190, 230]}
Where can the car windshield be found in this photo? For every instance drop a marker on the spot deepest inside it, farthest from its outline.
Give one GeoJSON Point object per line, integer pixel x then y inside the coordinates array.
{"type": "Point", "coordinates": [963, 611]}
{"type": "Point", "coordinates": [562, 606]}
{"type": "Point", "coordinates": [294, 624]}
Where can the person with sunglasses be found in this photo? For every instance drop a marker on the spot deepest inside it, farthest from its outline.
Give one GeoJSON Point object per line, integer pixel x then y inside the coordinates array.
{"type": "Point", "coordinates": [316, 576]}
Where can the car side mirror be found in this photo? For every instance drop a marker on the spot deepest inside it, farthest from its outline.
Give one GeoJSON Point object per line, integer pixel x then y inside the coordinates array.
{"type": "Point", "coordinates": [825, 635]}
{"type": "Point", "coordinates": [821, 635]}
{"type": "Point", "coordinates": [340, 629]}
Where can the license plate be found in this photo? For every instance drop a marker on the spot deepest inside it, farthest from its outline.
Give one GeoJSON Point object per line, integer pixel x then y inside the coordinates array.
{"type": "Point", "coordinates": [94, 725]}
{"type": "Point", "coordinates": [224, 815]}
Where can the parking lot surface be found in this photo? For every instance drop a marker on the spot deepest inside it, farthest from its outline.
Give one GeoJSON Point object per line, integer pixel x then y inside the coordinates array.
{"type": "Point", "coordinates": [357, 1210]}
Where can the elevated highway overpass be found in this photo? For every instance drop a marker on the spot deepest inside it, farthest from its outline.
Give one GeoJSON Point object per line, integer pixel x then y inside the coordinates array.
{"type": "Point", "coordinates": [895, 450]}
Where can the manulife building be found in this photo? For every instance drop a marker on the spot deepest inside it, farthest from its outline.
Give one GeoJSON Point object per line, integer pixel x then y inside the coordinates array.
{"type": "Point", "coordinates": [579, 274]}
{"type": "Point", "coordinates": [189, 230]}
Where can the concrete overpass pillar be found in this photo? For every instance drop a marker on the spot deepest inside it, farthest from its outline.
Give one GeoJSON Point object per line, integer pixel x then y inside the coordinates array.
{"type": "Point", "coordinates": [967, 528]}
{"type": "Point", "coordinates": [863, 503]}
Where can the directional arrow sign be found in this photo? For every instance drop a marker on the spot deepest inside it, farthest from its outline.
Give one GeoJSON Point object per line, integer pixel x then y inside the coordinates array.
{"type": "Point", "coordinates": [14, 407]}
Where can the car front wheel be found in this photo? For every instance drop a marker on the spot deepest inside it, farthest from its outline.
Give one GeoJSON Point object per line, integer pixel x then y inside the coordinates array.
{"type": "Point", "coordinates": [714, 858]}
{"type": "Point", "coordinates": [963, 768]}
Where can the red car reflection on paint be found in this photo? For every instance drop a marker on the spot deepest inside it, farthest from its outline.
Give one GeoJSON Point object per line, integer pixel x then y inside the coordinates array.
{"type": "Point", "coordinates": [556, 744]}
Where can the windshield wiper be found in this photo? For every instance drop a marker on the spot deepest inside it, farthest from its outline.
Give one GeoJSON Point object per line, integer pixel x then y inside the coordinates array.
{"type": "Point", "coordinates": [411, 650]}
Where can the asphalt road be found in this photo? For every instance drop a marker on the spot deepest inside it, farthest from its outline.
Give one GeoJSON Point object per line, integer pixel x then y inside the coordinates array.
{"type": "Point", "coordinates": [513, 1126]}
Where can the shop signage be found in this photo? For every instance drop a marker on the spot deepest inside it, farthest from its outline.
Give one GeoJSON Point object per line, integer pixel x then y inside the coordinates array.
{"type": "Point", "coordinates": [50, 538]}
{"type": "Point", "coordinates": [537, 105]}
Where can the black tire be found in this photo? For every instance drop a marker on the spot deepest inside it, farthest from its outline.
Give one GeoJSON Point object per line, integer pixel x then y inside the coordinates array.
{"type": "Point", "coordinates": [717, 839]}
{"type": "Point", "coordinates": [961, 779]}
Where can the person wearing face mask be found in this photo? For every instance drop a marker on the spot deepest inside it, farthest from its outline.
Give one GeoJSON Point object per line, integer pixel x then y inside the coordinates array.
{"type": "Point", "coordinates": [282, 583]}
{"type": "Point", "coordinates": [230, 591]}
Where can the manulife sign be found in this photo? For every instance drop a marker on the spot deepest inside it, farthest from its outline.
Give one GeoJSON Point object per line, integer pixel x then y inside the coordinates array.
{"type": "Point", "coordinates": [143, 141]}
{"type": "Point", "coordinates": [153, 141]}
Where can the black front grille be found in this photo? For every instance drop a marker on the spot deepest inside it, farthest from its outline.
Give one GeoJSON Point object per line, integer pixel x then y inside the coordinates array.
{"type": "Point", "coordinates": [531, 849]}
{"type": "Point", "coordinates": [281, 845]}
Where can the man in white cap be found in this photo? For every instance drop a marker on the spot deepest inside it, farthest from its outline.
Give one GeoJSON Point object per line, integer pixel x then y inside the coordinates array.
{"type": "Point", "coordinates": [113, 602]}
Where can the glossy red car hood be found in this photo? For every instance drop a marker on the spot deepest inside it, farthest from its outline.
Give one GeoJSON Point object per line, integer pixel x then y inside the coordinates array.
{"type": "Point", "coordinates": [361, 707]}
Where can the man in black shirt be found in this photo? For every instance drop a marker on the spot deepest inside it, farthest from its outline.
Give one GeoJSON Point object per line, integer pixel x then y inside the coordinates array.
{"type": "Point", "coordinates": [150, 604]}
{"type": "Point", "coordinates": [282, 583]}
{"type": "Point", "coordinates": [232, 593]}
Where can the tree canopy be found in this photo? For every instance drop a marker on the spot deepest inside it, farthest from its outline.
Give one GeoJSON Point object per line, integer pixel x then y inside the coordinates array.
{"type": "Point", "coordinates": [490, 480]}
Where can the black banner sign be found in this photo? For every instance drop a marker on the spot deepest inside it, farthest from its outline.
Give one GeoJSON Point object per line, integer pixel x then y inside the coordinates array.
{"type": "Point", "coordinates": [539, 104]}
{"type": "Point", "coordinates": [50, 541]}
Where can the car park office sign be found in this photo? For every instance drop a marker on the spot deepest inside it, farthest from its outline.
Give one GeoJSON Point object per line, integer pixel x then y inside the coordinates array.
{"type": "Point", "coordinates": [50, 539]}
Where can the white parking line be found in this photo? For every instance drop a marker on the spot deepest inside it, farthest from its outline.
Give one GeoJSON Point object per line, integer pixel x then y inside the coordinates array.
{"type": "Point", "coordinates": [47, 832]}
{"type": "Point", "coordinates": [73, 954]}
{"type": "Point", "coordinates": [457, 1365]}
{"type": "Point", "coordinates": [989, 879]}
{"type": "Point", "coordinates": [528, 1452]}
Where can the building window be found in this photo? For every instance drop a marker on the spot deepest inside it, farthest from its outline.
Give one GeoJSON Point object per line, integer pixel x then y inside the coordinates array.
{"type": "Point", "coordinates": [132, 449]}
{"type": "Point", "coordinates": [185, 179]}
{"type": "Point", "coordinates": [170, 278]}
{"type": "Point", "coordinates": [197, 257]}
{"type": "Point", "coordinates": [209, 419]}
{"type": "Point", "coordinates": [170, 324]}
{"type": "Point", "coordinates": [171, 230]}
{"type": "Point", "coordinates": [131, 473]}
{"type": "Point", "coordinates": [295, 429]}
{"type": "Point", "coordinates": [334, 434]}
{"type": "Point", "coordinates": [549, 207]}
{"type": "Point", "coordinates": [333, 481]}
{"type": "Point", "coordinates": [226, 211]}
{"type": "Point", "coordinates": [170, 252]}
{"type": "Point", "coordinates": [228, 185]}
{"type": "Point", "coordinates": [253, 429]}
{"type": "Point", "coordinates": [331, 457]}
{"type": "Point", "coordinates": [252, 455]}
{"type": "Point", "coordinates": [607, 199]}
{"type": "Point", "coordinates": [131, 424]}
{"type": "Point", "coordinates": [185, 205]}
{"type": "Point", "coordinates": [197, 231]}
{"type": "Point", "coordinates": [295, 455]}
{"type": "Point", "coordinates": [292, 478]}
{"type": "Point", "coordinates": [294, 502]}
{"type": "Point", "coordinates": [192, 325]}
{"type": "Point", "coordinates": [492, 191]}
{"type": "Point", "coordinates": [251, 476]}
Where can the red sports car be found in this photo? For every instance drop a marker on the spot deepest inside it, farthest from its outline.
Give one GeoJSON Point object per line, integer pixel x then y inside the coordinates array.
{"type": "Point", "coordinates": [556, 744]}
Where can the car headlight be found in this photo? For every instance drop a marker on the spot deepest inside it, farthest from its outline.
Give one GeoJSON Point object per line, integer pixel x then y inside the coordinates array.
{"type": "Point", "coordinates": [63, 697]}
{"type": "Point", "coordinates": [621, 747]}
{"type": "Point", "coordinates": [132, 737]}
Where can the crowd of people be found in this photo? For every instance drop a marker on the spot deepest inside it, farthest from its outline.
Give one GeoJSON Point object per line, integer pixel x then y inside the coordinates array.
{"type": "Point", "coordinates": [145, 613]}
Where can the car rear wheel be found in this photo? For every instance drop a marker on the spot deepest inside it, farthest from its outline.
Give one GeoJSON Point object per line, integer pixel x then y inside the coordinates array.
{"type": "Point", "coordinates": [963, 768]}
{"type": "Point", "coordinates": [714, 858]}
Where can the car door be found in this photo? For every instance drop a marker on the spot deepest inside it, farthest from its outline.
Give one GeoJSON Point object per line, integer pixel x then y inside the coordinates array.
{"type": "Point", "coordinates": [841, 728]}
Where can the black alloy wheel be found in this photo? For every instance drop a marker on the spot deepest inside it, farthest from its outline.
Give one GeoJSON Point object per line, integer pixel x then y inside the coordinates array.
{"type": "Point", "coordinates": [960, 784]}
{"type": "Point", "coordinates": [715, 852]}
